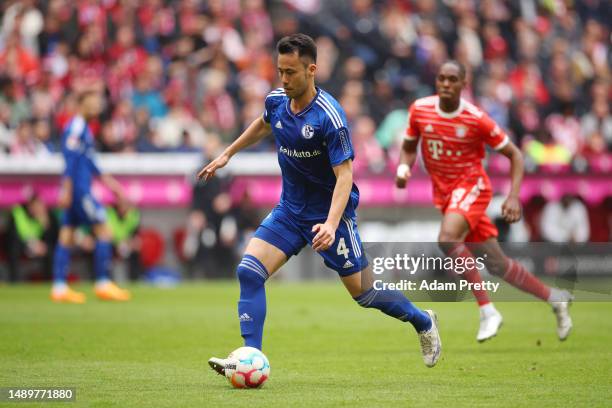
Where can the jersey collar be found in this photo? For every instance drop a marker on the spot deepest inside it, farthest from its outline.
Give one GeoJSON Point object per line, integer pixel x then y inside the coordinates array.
{"type": "Point", "coordinates": [450, 115]}
{"type": "Point", "coordinates": [307, 108]}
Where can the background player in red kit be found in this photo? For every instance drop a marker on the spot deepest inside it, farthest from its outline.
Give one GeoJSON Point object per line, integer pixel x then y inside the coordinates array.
{"type": "Point", "coordinates": [453, 133]}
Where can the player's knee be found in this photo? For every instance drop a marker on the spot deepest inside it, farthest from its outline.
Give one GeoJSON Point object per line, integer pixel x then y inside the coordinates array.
{"type": "Point", "coordinates": [251, 271]}
{"type": "Point", "coordinates": [448, 236]}
{"type": "Point", "coordinates": [497, 267]}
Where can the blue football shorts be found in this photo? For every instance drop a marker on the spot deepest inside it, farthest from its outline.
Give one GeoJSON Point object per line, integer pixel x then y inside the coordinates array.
{"type": "Point", "coordinates": [283, 230]}
{"type": "Point", "coordinates": [85, 210]}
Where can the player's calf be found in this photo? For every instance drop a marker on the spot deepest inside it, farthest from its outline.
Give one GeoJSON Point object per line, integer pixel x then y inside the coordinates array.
{"type": "Point", "coordinates": [393, 303]}
{"type": "Point", "coordinates": [252, 276]}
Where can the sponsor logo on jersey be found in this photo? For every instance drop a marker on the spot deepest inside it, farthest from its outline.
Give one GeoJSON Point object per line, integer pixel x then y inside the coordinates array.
{"type": "Point", "coordinates": [435, 148]}
{"type": "Point", "coordinates": [429, 128]}
{"type": "Point", "coordinates": [299, 154]}
{"type": "Point", "coordinates": [278, 125]}
{"type": "Point", "coordinates": [307, 131]}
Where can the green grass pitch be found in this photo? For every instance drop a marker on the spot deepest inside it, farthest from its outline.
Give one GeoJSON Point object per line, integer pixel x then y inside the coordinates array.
{"type": "Point", "coordinates": [324, 351]}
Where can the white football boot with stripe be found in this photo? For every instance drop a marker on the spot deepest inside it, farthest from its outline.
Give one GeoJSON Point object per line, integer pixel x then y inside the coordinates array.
{"type": "Point", "coordinates": [217, 364]}
{"type": "Point", "coordinates": [431, 345]}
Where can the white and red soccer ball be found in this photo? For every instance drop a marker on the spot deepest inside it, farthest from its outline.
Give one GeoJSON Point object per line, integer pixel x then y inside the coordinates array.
{"type": "Point", "coordinates": [247, 367]}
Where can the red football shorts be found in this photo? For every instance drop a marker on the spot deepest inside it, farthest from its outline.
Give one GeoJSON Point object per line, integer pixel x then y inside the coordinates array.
{"type": "Point", "coordinates": [470, 198]}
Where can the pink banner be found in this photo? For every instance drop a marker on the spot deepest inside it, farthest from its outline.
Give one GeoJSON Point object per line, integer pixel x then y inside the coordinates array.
{"type": "Point", "coordinates": [381, 192]}
{"type": "Point", "coordinates": [144, 191]}
{"type": "Point", "coordinates": [264, 191]}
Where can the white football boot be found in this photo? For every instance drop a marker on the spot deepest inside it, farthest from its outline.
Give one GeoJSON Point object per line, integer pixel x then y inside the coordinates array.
{"type": "Point", "coordinates": [489, 325]}
{"type": "Point", "coordinates": [564, 320]}
{"type": "Point", "coordinates": [218, 364]}
{"type": "Point", "coordinates": [431, 345]}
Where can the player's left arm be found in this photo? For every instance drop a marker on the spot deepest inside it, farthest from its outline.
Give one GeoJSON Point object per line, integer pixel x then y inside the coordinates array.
{"type": "Point", "coordinates": [495, 137]}
{"type": "Point", "coordinates": [511, 208]}
{"type": "Point", "coordinates": [326, 233]}
{"type": "Point", "coordinates": [113, 185]}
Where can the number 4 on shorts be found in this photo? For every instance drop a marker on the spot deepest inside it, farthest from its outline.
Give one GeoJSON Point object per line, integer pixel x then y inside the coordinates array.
{"type": "Point", "coordinates": [342, 249]}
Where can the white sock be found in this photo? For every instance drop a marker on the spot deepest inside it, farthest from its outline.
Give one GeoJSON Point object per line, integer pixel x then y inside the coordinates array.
{"type": "Point", "coordinates": [102, 282]}
{"type": "Point", "coordinates": [557, 295]}
{"type": "Point", "coordinates": [488, 309]}
{"type": "Point", "coordinates": [59, 287]}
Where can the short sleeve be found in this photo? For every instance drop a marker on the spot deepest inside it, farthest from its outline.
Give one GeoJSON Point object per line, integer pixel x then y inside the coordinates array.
{"type": "Point", "coordinates": [272, 100]}
{"type": "Point", "coordinates": [491, 133]}
{"type": "Point", "coordinates": [412, 130]}
{"type": "Point", "coordinates": [339, 145]}
{"type": "Point", "coordinates": [266, 112]}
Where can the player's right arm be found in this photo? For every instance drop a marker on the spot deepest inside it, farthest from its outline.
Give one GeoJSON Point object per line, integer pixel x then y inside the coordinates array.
{"type": "Point", "coordinates": [256, 131]}
{"type": "Point", "coordinates": [65, 195]}
{"type": "Point", "coordinates": [408, 152]}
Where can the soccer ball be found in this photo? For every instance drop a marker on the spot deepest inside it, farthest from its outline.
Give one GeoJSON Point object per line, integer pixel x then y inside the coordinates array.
{"type": "Point", "coordinates": [247, 367]}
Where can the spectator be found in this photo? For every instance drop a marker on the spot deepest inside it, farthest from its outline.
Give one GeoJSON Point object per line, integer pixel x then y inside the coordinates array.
{"type": "Point", "coordinates": [596, 126]}
{"type": "Point", "coordinates": [124, 223]}
{"type": "Point", "coordinates": [211, 230]}
{"type": "Point", "coordinates": [369, 156]}
{"type": "Point", "coordinates": [543, 150]}
{"type": "Point", "coordinates": [564, 128]}
{"type": "Point", "coordinates": [26, 143]}
{"type": "Point", "coordinates": [31, 233]}
{"type": "Point", "coordinates": [565, 221]}
{"type": "Point", "coordinates": [145, 96]}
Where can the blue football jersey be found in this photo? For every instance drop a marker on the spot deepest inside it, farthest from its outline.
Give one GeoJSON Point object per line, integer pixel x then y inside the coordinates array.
{"type": "Point", "coordinates": [78, 151]}
{"type": "Point", "coordinates": [309, 144]}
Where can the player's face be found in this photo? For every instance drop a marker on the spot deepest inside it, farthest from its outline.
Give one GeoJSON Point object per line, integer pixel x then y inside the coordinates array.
{"type": "Point", "coordinates": [449, 82]}
{"type": "Point", "coordinates": [295, 73]}
{"type": "Point", "coordinates": [92, 105]}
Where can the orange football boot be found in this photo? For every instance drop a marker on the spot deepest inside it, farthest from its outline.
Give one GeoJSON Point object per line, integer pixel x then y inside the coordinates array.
{"type": "Point", "coordinates": [110, 291]}
{"type": "Point", "coordinates": [68, 296]}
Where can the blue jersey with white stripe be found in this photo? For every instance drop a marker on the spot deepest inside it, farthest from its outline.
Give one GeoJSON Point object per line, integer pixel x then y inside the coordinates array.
{"type": "Point", "coordinates": [78, 151]}
{"type": "Point", "coordinates": [309, 144]}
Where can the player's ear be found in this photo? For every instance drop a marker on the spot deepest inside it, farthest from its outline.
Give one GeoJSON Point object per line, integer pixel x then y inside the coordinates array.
{"type": "Point", "coordinates": [312, 69]}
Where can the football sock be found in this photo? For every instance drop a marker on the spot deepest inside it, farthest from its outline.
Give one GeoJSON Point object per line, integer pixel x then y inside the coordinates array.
{"type": "Point", "coordinates": [558, 295]}
{"type": "Point", "coordinates": [488, 309]}
{"type": "Point", "coordinates": [252, 276]}
{"type": "Point", "coordinates": [459, 250]}
{"type": "Point", "coordinates": [61, 260]}
{"type": "Point", "coordinates": [395, 304]}
{"type": "Point", "coordinates": [519, 277]}
{"type": "Point", "coordinates": [103, 254]}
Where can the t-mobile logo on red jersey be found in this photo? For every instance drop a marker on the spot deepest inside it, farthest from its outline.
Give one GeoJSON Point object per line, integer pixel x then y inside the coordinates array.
{"type": "Point", "coordinates": [435, 148]}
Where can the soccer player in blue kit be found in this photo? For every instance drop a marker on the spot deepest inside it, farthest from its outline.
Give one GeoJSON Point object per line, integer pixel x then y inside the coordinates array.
{"type": "Point", "coordinates": [317, 204]}
{"type": "Point", "coordinates": [81, 208]}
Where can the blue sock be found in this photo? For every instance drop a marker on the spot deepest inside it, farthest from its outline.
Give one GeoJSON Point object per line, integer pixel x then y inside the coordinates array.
{"type": "Point", "coordinates": [252, 276]}
{"type": "Point", "coordinates": [103, 255]}
{"type": "Point", "coordinates": [61, 261]}
{"type": "Point", "coordinates": [395, 304]}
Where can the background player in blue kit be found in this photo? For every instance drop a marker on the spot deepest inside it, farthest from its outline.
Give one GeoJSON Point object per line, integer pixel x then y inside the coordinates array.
{"type": "Point", "coordinates": [81, 208]}
{"type": "Point", "coordinates": [317, 204]}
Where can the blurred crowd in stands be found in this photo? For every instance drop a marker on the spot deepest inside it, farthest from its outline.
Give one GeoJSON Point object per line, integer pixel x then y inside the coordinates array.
{"type": "Point", "coordinates": [189, 75]}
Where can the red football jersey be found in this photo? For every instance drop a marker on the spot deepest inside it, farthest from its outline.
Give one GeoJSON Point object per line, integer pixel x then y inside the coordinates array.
{"type": "Point", "coordinates": [452, 145]}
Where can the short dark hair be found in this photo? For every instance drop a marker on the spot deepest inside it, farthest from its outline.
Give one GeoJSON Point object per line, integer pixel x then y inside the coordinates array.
{"type": "Point", "coordinates": [303, 44]}
{"type": "Point", "coordinates": [460, 67]}
{"type": "Point", "coordinates": [85, 94]}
